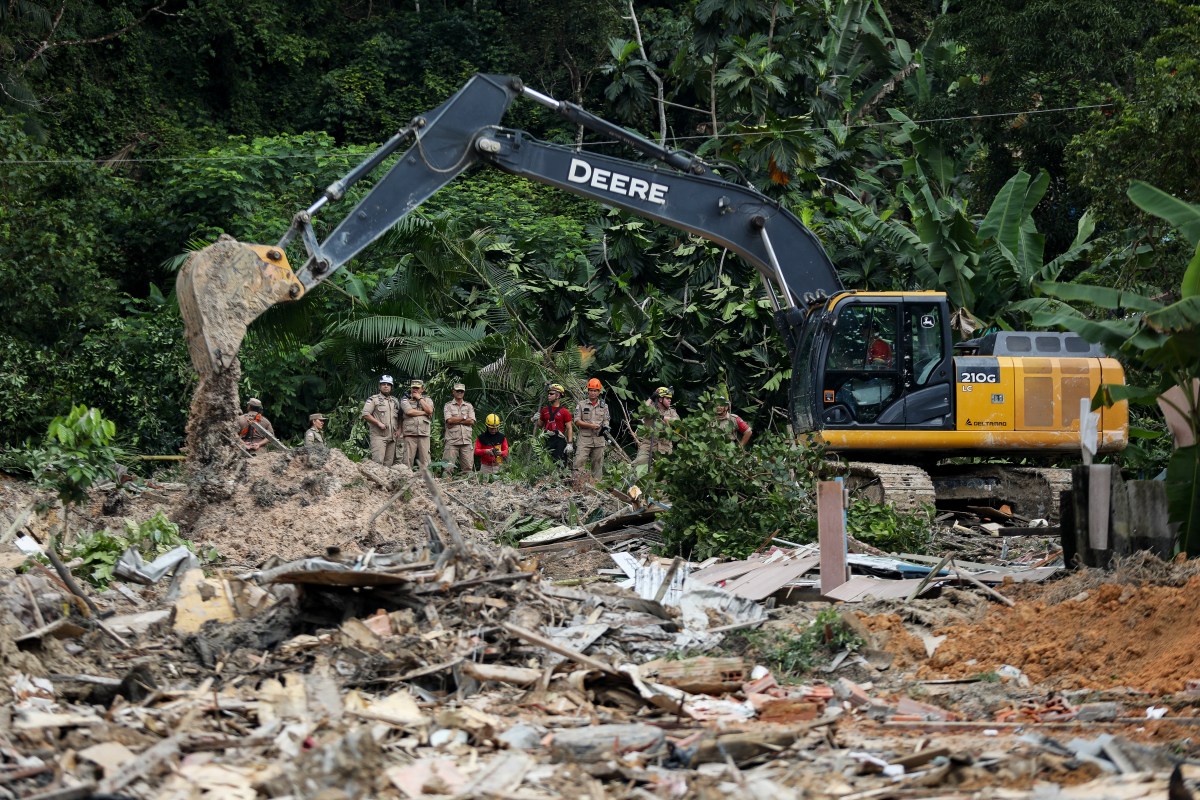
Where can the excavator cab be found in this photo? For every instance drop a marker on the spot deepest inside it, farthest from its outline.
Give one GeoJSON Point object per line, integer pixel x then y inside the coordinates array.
{"type": "Point", "coordinates": [871, 361]}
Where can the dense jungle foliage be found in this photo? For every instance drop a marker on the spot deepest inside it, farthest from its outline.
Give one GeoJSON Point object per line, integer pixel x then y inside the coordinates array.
{"type": "Point", "coordinates": [976, 148]}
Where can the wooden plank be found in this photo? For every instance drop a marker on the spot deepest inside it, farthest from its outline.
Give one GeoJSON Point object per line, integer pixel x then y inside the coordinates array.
{"type": "Point", "coordinates": [586, 543]}
{"type": "Point", "coordinates": [761, 583]}
{"type": "Point", "coordinates": [726, 571]}
{"type": "Point", "coordinates": [831, 534]}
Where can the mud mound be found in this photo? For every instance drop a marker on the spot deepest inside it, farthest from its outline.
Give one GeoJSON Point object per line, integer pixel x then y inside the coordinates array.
{"type": "Point", "coordinates": [1144, 637]}
{"type": "Point", "coordinates": [295, 504]}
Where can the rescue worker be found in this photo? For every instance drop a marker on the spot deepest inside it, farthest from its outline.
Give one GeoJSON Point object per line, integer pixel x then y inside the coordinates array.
{"type": "Point", "coordinates": [554, 421]}
{"type": "Point", "coordinates": [313, 435]}
{"type": "Point", "coordinates": [459, 416]}
{"type": "Point", "coordinates": [591, 417]}
{"type": "Point", "coordinates": [491, 446]}
{"type": "Point", "coordinates": [416, 421]}
{"type": "Point", "coordinates": [248, 423]}
{"type": "Point", "coordinates": [657, 419]}
{"type": "Point", "coordinates": [737, 428]}
{"type": "Point", "coordinates": [382, 413]}
{"type": "Point", "coordinates": [879, 352]}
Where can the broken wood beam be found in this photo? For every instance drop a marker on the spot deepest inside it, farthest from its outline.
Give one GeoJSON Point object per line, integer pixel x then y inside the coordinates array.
{"type": "Point", "coordinates": [554, 647]}
{"type": "Point", "coordinates": [989, 590]}
{"type": "Point", "coordinates": [141, 766]}
{"type": "Point", "coordinates": [666, 581]}
{"type": "Point", "coordinates": [518, 676]}
{"type": "Point", "coordinates": [444, 510]}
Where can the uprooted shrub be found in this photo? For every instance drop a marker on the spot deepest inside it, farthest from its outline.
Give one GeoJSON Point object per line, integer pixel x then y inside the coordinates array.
{"type": "Point", "coordinates": [729, 501]}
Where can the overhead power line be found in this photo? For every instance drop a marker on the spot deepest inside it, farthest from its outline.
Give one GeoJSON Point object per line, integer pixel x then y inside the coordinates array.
{"type": "Point", "coordinates": [348, 155]}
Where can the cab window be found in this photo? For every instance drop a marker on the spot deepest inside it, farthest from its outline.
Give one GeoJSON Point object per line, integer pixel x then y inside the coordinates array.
{"type": "Point", "coordinates": [864, 338]}
{"type": "Point", "coordinates": [925, 332]}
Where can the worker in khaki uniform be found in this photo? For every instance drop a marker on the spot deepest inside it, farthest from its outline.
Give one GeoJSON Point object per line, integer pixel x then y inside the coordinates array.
{"type": "Point", "coordinates": [252, 424]}
{"type": "Point", "coordinates": [459, 416]}
{"type": "Point", "coordinates": [382, 413]}
{"type": "Point", "coordinates": [591, 419]}
{"type": "Point", "coordinates": [738, 429]}
{"type": "Point", "coordinates": [416, 421]}
{"type": "Point", "coordinates": [657, 419]}
{"type": "Point", "coordinates": [313, 435]}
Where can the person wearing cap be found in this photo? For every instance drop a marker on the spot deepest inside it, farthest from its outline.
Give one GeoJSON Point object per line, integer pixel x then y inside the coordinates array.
{"type": "Point", "coordinates": [459, 416]}
{"type": "Point", "coordinates": [382, 413]}
{"type": "Point", "coordinates": [591, 417]}
{"type": "Point", "coordinates": [737, 428]}
{"type": "Point", "coordinates": [416, 421]}
{"type": "Point", "coordinates": [252, 424]}
{"type": "Point", "coordinates": [554, 421]}
{"type": "Point", "coordinates": [657, 421]}
{"type": "Point", "coordinates": [313, 435]}
{"type": "Point", "coordinates": [491, 446]}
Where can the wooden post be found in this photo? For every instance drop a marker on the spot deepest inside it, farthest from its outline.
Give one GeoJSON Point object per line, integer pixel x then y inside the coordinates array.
{"type": "Point", "coordinates": [1091, 494]}
{"type": "Point", "coordinates": [831, 534]}
{"type": "Point", "coordinates": [1139, 518]}
{"type": "Point", "coordinates": [1066, 528]}
{"type": "Point", "coordinates": [1099, 505]}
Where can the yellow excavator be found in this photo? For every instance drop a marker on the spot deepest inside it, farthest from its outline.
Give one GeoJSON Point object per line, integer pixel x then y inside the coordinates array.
{"type": "Point", "coordinates": [876, 375]}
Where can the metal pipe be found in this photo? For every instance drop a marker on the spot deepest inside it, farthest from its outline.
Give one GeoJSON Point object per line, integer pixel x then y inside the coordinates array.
{"type": "Point", "coordinates": [787, 293]}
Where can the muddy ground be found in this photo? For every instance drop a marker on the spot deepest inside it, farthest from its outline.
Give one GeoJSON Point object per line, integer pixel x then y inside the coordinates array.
{"type": "Point", "coordinates": [1012, 695]}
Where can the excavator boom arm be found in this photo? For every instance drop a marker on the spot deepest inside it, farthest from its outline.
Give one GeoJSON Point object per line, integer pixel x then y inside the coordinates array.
{"type": "Point", "coordinates": [226, 286]}
{"type": "Point", "coordinates": [464, 131]}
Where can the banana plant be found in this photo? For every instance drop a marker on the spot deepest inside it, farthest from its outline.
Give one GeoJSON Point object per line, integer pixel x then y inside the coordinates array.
{"type": "Point", "coordinates": [1163, 338]}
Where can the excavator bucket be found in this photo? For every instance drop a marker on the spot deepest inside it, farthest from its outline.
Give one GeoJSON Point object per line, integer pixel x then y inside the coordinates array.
{"type": "Point", "coordinates": [222, 289]}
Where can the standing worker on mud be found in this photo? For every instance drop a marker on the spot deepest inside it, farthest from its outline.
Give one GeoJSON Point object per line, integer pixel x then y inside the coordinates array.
{"type": "Point", "coordinates": [491, 446]}
{"type": "Point", "coordinates": [657, 421]}
{"type": "Point", "coordinates": [416, 421]}
{"type": "Point", "coordinates": [591, 417]}
{"type": "Point", "coordinates": [382, 413]}
{"type": "Point", "coordinates": [554, 421]}
{"type": "Point", "coordinates": [737, 428]}
{"type": "Point", "coordinates": [459, 416]}
{"type": "Point", "coordinates": [249, 426]}
{"type": "Point", "coordinates": [313, 435]}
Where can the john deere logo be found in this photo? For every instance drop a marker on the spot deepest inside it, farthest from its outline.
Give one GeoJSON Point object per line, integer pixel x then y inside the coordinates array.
{"type": "Point", "coordinates": [616, 182]}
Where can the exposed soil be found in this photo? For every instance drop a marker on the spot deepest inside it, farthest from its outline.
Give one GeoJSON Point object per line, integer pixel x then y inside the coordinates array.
{"type": "Point", "coordinates": [1143, 637]}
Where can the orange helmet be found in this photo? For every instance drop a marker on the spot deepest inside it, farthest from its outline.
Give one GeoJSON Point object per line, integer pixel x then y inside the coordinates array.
{"type": "Point", "coordinates": [594, 383]}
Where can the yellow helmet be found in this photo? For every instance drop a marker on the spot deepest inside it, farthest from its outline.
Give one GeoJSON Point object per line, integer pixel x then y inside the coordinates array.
{"type": "Point", "coordinates": [556, 387]}
{"type": "Point", "coordinates": [492, 420]}
{"type": "Point", "coordinates": [663, 391]}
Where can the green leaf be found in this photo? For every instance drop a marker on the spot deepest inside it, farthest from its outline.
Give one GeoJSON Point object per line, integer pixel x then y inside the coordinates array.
{"type": "Point", "coordinates": [1180, 317]}
{"type": "Point", "coordinates": [1182, 215]}
{"type": "Point", "coordinates": [1183, 496]}
{"type": "Point", "coordinates": [1112, 393]}
{"type": "Point", "coordinates": [1191, 277]}
{"type": "Point", "coordinates": [1100, 296]}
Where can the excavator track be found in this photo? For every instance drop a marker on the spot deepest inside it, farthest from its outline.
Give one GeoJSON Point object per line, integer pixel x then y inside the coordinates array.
{"type": "Point", "coordinates": [1030, 492]}
{"type": "Point", "coordinates": [905, 487]}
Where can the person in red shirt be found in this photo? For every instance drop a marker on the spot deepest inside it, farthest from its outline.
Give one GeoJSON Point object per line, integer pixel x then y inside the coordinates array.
{"type": "Point", "coordinates": [554, 421]}
{"type": "Point", "coordinates": [879, 352]}
{"type": "Point", "coordinates": [491, 446]}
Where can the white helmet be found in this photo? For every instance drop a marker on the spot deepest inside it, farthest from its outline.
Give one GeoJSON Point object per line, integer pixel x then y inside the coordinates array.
{"type": "Point", "coordinates": [387, 379]}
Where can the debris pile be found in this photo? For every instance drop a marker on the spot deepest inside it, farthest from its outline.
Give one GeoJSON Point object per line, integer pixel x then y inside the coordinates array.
{"type": "Point", "coordinates": [369, 639]}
